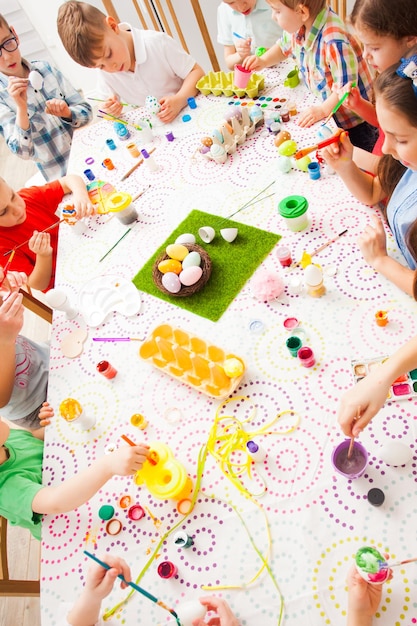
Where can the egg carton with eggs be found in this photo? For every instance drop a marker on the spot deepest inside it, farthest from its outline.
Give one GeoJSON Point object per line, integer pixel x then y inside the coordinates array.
{"type": "Point", "coordinates": [238, 125]}
{"type": "Point", "coordinates": [403, 388]}
{"type": "Point", "coordinates": [222, 84]}
{"type": "Point", "coordinates": [192, 360]}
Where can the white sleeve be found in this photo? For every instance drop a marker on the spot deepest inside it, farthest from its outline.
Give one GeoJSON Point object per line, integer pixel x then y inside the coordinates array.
{"type": "Point", "coordinates": [224, 25]}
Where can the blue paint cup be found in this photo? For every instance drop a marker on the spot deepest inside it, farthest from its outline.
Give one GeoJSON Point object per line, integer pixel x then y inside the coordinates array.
{"type": "Point", "coordinates": [110, 144]}
{"type": "Point", "coordinates": [314, 170]}
{"type": "Point", "coordinates": [192, 103]}
{"type": "Point", "coordinates": [89, 174]}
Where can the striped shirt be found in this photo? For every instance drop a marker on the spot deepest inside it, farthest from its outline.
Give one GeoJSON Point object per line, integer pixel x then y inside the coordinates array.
{"type": "Point", "coordinates": [48, 139]}
{"type": "Point", "coordinates": [329, 56]}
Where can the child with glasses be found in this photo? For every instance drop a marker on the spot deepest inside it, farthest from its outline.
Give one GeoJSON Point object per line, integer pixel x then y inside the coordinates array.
{"type": "Point", "coordinates": [37, 123]}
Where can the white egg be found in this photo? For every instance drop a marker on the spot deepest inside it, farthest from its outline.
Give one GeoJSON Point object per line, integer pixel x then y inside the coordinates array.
{"type": "Point", "coordinates": [313, 275]}
{"type": "Point", "coordinates": [190, 275]}
{"type": "Point", "coordinates": [193, 259]}
{"type": "Point", "coordinates": [189, 611]}
{"type": "Point", "coordinates": [171, 282]}
{"type": "Point", "coordinates": [395, 453]}
{"type": "Point", "coordinates": [35, 79]}
{"type": "Point", "coordinates": [185, 238]}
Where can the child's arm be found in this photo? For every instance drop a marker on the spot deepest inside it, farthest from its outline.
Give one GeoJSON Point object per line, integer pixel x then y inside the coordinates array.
{"type": "Point", "coordinates": [46, 412]}
{"type": "Point", "coordinates": [78, 489]}
{"type": "Point", "coordinates": [172, 105]}
{"type": "Point", "coordinates": [224, 615]}
{"type": "Point", "coordinates": [71, 183]}
{"type": "Point", "coordinates": [363, 599]}
{"type": "Point", "coordinates": [99, 583]}
{"type": "Point", "coordinates": [40, 244]}
{"type": "Point", "coordinates": [237, 53]}
{"type": "Point", "coordinates": [273, 56]}
{"type": "Point", "coordinates": [11, 322]}
{"type": "Point", "coordinates": [360, 106]}
{"type": "Point", "coordinates": [79, 112]}
{"type": "Point", "coordinates": [365, 187]}
{"type": "Point", "coordinates": [371, 392]}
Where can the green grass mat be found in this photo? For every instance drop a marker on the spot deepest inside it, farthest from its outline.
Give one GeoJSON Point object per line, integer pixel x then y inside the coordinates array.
{"type": "Point", "coordinates": [232, 264]}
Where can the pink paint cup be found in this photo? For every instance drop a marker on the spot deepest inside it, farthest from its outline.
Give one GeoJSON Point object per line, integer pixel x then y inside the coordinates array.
{"type": "Point", "coordinates": [306, 357]}
{"type": "Point", "coordinates": [241, 76]}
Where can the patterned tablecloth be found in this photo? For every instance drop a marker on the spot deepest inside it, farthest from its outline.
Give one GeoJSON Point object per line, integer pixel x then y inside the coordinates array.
{"type": "Point", "coordinates": [309, 521]}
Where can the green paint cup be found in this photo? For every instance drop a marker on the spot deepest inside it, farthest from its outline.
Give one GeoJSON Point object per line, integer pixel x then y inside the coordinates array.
{"type": "Point", "coordinates": [293, 344]}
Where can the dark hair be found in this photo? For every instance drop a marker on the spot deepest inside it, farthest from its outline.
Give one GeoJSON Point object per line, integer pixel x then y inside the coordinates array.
{"type": "Point", "coordinates": [81, 27]}
{"type": "Point", "coordinates": [395, 19]}
{"type": "Point", "coordinates": [3, 22]}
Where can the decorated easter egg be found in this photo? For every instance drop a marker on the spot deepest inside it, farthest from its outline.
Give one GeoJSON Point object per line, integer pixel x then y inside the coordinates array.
{"type": "Point", "coordinates": [324, 132]}
{"type": "Point", "coordinates": [302, 164]}
{"type": "Point", "coordinates": [371, 565]}
{"type": "Point", "coordinates": [193, 259]}
{"type": "Point", "coordinates": [217, 134]}
{"type": "Point", "coordinates": [287, 148]}
{"type": "Point", "coordinates": [232, 112]}
{"type": "Point", "coordinates": [185, 238]}
{"type": "Point", "coordinates": [207, 141]}
{"type": "Point", "coordinates": [313, 275]}
{"type": "Point", "coordinates": [189, 611]}
{"type": "Point", "coordinates": [170, 265]}
{"type": "Point", "coordinates": [284, 164]}
{"type": "Point", "coordinates": [233, 367]}
{"type": "Point", "coordinates": [176, 251]}
{"type": "Point", "coordinates": [35, 79]}
{"type": "Point", "coordinates": [152, 104]}
{"type": "Point", "coordinates": [282, 136]}
{"type": "Point", "coordinates": [171, 282]}
{"type": "Point", "coordinates": [256, 114]}
{"type": "Point", "coordinates": [191, 275]}
{"type": "Point", "coordinates": [395, 453]}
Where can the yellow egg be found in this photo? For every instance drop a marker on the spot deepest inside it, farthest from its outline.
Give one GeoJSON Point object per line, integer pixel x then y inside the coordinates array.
{"type": "Point", "coordinates": [288, 148]}
{"type": "Point", "coordinates": [176, 251]}
{"type": "Point", "coordinates": [170, 265]}
{"type": "Point", "coordinates": [233, 367]}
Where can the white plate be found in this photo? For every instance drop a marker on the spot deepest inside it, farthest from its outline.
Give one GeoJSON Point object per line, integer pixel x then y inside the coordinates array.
{"type": "Point", "coordinates": [104, 294]}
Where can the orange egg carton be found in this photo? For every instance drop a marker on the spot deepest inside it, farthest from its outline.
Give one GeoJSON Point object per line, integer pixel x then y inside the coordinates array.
{"type": "Point", "coordinates": [193, 361]}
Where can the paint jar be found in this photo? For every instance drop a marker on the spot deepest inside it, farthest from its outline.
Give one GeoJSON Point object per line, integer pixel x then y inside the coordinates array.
{"type": "Point", "coordinates": [285, 115]}
{"type": "Point", "coordinates": [257, 454]}
{"type": "Point", "coordinates": [192, 103]}
{"type": "Point", "coordinates": [110, 144]}
{"type": "Point", "coordinates": [381, 318]}
{"type": "Point", "coordinates": [182, 540]}
{"type": "Point", "coordinates": [292, 108]}
{"type": "Point", "coordinates": [241, 76]}
{"type": "Point", "coordinates": [136, 512]}
{"type": "Point", "coordinates": [305, 355]}
{"type": "Point", "coordinates": [105, 368]}
{"type": "Point", "coordinates": [106, 512]}
{"type": "Point", "coordinates": [169, 136]}
{"type": "Point", "coordinates": [108, 164]}
{"type": "Point", "coordinates": [293, 344]}
{"type": "Point", "coordinates": [149, 161]}
{"type": "Point", "coordinates": [353, 467]}
{"type": "Point", "coordinates": [284, 256]}
{"type": "Point", "coordinates": [375, 496]}
{"type": "Point", "coordinates": [138, 421]}
{"type": "Point", "coordinates": [121, 130]}
{"type": "Point", "coordinates": [89, 174]}
{"type": "Point", "coordinates": [294, 211]}
{"type": "Point", "coordinates": [166, 570]}
{"type": "Point", "coordinates": [313, 169]}
{"type": "Point", "coordinates": [72, 412]}
{"type": "Point", "coordinates": [120, 203]}
{"type": "Point", "coordinates": [133, 149]}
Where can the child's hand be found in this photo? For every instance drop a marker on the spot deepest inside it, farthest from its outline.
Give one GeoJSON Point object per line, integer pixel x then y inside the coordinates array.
{"type": "Point", "coordinates": [40, 244]}
{"type": "Point", "coordinates": [13, 281]}
{"type": "Point", "coordinates": [83, 206]}
{"type": "Point", "coordinates": [310, 116]}
{"type": "Point", "coordinates": [170, 107]}
{"type": "Point", "coordinates": [369, 394]}
{"type": "Point", "coordinates": [363, 598]}
{"type": "Point", "coordinates": [224, 613]}
{"type": "Point", "coordinates": [45, 414]}
{"type": "Point", "coordinates": [354, 97]}
{"type": "Point", "coordinates": [253, 63]}
{"type": "Point", "coordinates": [373, 242]}
{"type": "Point", "coordinates": [100, 581]}
{"type": "Point", "coordinates": [58, 107]}
{"type": "Point", "coordinates": [339, 154]}
{"type": "Point", "coordinates": [112, 106]}
{"type": "Point", "coordinates": [127, 460]}
{"type": "Point", "coordinates": [243, 47]}
{"type": "Point", "coordinates": [11, 317]}
{"type": "Point", "coordinates": [18, 88]}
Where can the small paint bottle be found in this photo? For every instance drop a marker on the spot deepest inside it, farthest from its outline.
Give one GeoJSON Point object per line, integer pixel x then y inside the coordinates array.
{"type": "Point", "coordinates": [139, 421]}
{"type": "Point", "coordinates": [121, 130]}
{"type": "Point", "coordinates": [292, 108]}
{"type": "Point", "coordinates": [381, 318]}
{"type": "Point", "coordinates": [313, 169]}
{"type": "Point", "coordinates": [108, 164]}
{"type": "Point", "coordinates": [293, 344]}
{"type": "Point", "coordinates": [167, 570]}
{"type": "Point", "coordinates": [169, 136]}
{"type": "Point", "coordinates": [149, 160]}
{"type": "Point", "coordinates": [285, 115]}
{"type": "Point", "coordinates": [257, 454]}
{"type": "Point", "coordinates": [284, 256]}
{"type": "Point", "coordinates": [182, 540]}
{"type": "Point", "coordinates": [306, 357]}
{"type": "Point", "coordinates": [89, 174]}
{"type": "Point", "coordinates": [105, 368]}
{"type": "Point", "coordinates": [136, 512]}
{"type": "Point", "coordinates": [133, 149]}
{"type": "Point", "coordinates": [192, 103]}
{"type": "Point", "coordinates": [110, 144]}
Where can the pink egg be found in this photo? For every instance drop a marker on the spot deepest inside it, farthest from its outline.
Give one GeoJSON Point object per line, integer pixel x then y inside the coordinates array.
{"type": "Point", "coordinates": [190, 275]}
{"type": "Point", "coordinates": [171, 282]}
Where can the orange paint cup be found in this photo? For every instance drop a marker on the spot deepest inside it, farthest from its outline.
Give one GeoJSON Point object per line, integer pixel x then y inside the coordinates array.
{"type": "Point", "coordinates": [381, 318]}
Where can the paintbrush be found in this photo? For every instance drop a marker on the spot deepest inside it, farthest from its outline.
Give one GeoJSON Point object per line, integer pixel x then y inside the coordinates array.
{"type": "Point", "coordinates": [137, 164]}
{"type": "Point", "coordinates": [117, 339]}
{"type": "Point", "coordinates": [116, 244]}
{"type": "Point", "coordinates": [27, 241]}
{"type": "Point", "coordinates": [398, 563]}
{"type": "Point", "coordinates": [6, 267]}
{"type": "Point", "coordinates": [141, 590]}
{"type": "Point", "coordinates": [322, 144]}
{"type": "Point", "coordinates": [117, 119]}
{"type": "Point", "coordinates": [352, 439]}
{"type": "Point", "coordinates": [124, 104]}
{"type": "Point", "coordinates": [319, 249]}
{"type": "Point", "coordinates": [339, 104]}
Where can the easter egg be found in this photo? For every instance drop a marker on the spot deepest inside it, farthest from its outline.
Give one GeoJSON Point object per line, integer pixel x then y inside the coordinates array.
{"type": "Point", "coordinates": [191, 275]}
{"type": "Point", "coordinates": [395, 453]}
{"type": "Point", "coordinates": [302, 164]}
{"type": "Point", "coordinates": [176, 251]}
{"type": "Point", "coordinates": [282, 136]}
{"type": "Point", "coordinates": [185, 238]}
{"type": "Point", "coordinates": [287, 148]}
{"type": "Point", "coordinates": [171, 282]}
{"type": "Point", "coordinates": [152, 104]}
{"type": "Point", "coordinates": [170, 265]}
{"type": "Point", "coordinates": [192, 260]}
{"type": "Point", "coordinates": [284, 164]}
{"type": "Point", "coordinates": [217, 134]}
{"type": "Point", "coordinates": [189, 611]}
{"type": "Point", "coordinates": [313, 275]}
{"type": "Point", "coordinates": [324, 132]}
{"type": "Point", "coordinates": [35, 79]}
{"type": "Point", "coordinates": [371, 565]}
{"type": "Point", "coordinates": [207, 141]}
{"type": "Point", "coordinates": [233, 367]}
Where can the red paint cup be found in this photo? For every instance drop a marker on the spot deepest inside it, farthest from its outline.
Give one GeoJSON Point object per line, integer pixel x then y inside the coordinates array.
{"type": "Point", "coordinates": [284, 256]}
{"type": "Point", "coordinates": [166, 570]}
{"type": "Point", "coordinates": [306, 357]}
{"type": "Point", "coordinates": [136, 512]}
{"type": "Point", "coordinates": [105, 368]}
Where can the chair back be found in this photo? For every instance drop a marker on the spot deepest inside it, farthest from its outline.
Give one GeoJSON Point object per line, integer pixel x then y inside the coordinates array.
{"type": "Point", "coordinates": [11, 587]}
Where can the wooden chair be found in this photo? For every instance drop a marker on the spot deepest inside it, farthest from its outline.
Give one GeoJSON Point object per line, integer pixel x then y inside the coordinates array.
{"type": "Point", "coordinates": [36, 306]}
{"type": "Point", "coordinates": [9, 587]}
{"type": "Point", "coordinates": [339, 6]}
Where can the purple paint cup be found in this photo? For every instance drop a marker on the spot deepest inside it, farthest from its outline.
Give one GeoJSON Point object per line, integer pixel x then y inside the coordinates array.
{"type": "Point", "coordinates": [353, 467]}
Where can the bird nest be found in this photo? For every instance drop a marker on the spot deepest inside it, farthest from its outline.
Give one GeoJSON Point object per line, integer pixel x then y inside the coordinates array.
{"type": "Point", "coordinates": [185, 290]}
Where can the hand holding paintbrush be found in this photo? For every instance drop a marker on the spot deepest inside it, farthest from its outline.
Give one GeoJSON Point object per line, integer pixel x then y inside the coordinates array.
{"type": "Point", "coordinates": [352, 438]}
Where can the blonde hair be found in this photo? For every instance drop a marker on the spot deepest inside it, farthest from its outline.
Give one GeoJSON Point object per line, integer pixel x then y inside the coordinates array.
{"type": "Point", "coordinates": [81, 27]}
{"type": "Point", "coordinates": [4, 22]}
{"type": "Point", "coordinates": [314, 6]}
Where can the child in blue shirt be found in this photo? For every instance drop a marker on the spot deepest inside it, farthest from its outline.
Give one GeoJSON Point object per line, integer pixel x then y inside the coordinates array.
{"type": "Point", "coordinates": [37, 124]}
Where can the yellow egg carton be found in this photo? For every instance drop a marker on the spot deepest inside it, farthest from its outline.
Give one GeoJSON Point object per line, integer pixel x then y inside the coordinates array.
{"type": "Point", "coordinates": [193, 361]}
{"type": "Point", "coordinates": [222, 83]}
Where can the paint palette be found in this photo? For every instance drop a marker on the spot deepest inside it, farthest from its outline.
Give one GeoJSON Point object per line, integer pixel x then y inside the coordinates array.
{"type": "Point", "coordinates": [222, 83]}
{"type": "Point", "coordinates": [403, 388]}
{"type": "Point", "coordinates": [105, 294]}
{"type": "Point", "coordinates": [193, 361]}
